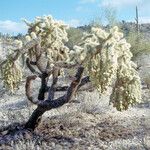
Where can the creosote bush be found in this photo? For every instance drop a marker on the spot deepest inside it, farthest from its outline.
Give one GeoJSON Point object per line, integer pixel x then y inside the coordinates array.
{"type": "Point", "coordinates": [104, 56]}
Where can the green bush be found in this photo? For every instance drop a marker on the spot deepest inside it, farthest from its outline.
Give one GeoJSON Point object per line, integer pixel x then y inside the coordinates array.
{"type": "Point", "coordinates": [74, 36]}
{"type": "Point", "coordinates": [139, 43]}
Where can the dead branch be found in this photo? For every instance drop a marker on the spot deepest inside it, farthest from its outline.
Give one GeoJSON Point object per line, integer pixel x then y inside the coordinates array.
{"type": "Point", "coordinates": [31, 68]}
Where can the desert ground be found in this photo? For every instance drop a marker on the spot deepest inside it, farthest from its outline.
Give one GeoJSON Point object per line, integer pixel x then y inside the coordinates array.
{"type": "Point", "coordinates": [87, 122]}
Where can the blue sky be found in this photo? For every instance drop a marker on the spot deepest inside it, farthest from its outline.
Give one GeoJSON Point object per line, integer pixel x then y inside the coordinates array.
{"type": "Point", "coordinates": [73, 12]}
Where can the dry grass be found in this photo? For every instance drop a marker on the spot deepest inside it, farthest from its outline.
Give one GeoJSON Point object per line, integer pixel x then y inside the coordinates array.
{"type": "Point", "coordinates": [87, 122]}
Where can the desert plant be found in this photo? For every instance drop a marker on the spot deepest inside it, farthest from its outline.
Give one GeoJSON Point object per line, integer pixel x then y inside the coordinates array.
{"type": "Point", "coordinates": [137, 20]}
{"type": "Point", "coordinates": [104, 56]}
{"type": "Point", "coordinates": [139, 44]}
{"type": "Point", "coordinates": [74, 36]}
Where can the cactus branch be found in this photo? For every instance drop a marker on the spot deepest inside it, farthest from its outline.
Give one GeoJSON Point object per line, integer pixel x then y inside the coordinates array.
{"type": "Point", "coordinates": [31, 68]}
{"type": "Point", "coordinates": [50, 104]}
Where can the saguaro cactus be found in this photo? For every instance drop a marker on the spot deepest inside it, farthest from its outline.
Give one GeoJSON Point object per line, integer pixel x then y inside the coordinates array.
{"type": "Point", "coordinates": [137, 20]}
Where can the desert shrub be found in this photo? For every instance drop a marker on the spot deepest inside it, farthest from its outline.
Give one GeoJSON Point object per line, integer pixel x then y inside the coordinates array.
{"type": "Point", "coordinates": [74, 36]}
{"type": "Point", "coordinates": [139, 43]}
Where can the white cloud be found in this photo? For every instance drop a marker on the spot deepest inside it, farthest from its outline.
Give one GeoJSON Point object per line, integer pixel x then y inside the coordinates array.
{"type": "Point", "coordinates": [119, 3]}
{"type": "Point", "coordinates": [87, 1]}
{"type": "Point", "coordinates": [12, 27]}
{"type": "Point", "coordinates": [74, 22]}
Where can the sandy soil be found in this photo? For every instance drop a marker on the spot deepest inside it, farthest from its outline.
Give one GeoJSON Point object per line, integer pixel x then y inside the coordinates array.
{"type": "Point", "coordinates": [87, 122]}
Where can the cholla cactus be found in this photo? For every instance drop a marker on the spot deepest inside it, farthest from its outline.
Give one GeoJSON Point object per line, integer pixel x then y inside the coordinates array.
{"type": "Point", "coordinates": [11, 71]}
{"type": "Point", "coordinates": [12, 75]}
{"type": "Point", "coordinates": [105, 56]}
{"type": "Point", "coordinates": [98, 54]}
{"type": "Point", "coordinates": [53, 35]}
{"type": "Point", "coordinates": [127, 89]}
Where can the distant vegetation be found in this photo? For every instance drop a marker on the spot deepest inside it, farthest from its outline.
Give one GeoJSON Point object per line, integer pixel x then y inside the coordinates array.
{"type": "Point", "coordinates": [140, 42]}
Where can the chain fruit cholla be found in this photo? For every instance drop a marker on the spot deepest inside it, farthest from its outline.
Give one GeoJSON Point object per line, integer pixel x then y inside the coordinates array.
{"type": "Point", "coordinates": [12, 75]}
{"type": "Point", "coordinates": [105, 56]}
